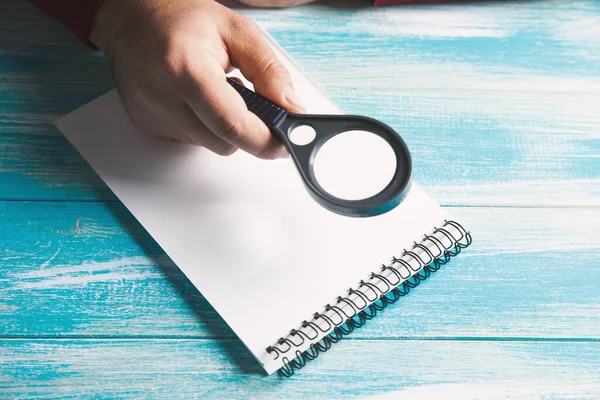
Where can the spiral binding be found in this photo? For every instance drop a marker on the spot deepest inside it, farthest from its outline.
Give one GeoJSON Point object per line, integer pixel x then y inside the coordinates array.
{"type": "Point", "coordinates": [371, 296]}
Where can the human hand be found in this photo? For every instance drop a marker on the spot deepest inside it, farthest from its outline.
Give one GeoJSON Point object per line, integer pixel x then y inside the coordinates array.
{"type": "Point", "coordinates": [275, 3]}
{"type": "Point", "coordinates": [169, 60]}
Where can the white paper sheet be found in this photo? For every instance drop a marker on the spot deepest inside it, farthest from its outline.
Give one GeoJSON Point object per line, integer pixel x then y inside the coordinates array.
{"type": "Point", "coordinates": [243, 230]}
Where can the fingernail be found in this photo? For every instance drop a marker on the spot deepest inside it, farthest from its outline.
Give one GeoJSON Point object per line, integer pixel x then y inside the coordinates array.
{"type": "Point", "coordinates": [292, 97]}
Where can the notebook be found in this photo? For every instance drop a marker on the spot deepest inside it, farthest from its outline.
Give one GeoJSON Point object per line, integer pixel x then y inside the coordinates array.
{"type": "Point", "coordinates": [289, 277]}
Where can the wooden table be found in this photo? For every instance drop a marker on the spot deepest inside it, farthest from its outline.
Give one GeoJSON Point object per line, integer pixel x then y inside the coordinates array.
{"type": "Point", "coordinates": [500, 105]}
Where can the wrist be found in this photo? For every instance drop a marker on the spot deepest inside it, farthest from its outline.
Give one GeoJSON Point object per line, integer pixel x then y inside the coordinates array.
{"type": "Point", "coordinates": [113, 24]}
{"type": "Point", "coordinates": [103, 25]}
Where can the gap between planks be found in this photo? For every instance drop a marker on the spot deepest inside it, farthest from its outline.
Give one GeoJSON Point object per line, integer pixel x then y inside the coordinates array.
{"type": "Point", "coordinates": [346, 338]}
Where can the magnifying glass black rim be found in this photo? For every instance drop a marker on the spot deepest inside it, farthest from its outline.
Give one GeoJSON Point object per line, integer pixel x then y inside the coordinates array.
{"type": "Point", "coordinates": [329, 126]}
{"type": "Point", "coordinates": [281, 122]}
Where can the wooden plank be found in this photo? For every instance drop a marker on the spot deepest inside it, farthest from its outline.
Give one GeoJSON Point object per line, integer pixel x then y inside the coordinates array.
{"type": "Point", "coordinates": [463, 47]}
{"type": "Point", "coordinates": [485, 163]}
{"type": "Point", "coordinates": [497, 102]}
{"type": "Point", "coordinates": [88, 269]}
{"type": "Point", "coordinates": [224, 369]}
{"type": "Point", "coordinates": [44, 167]}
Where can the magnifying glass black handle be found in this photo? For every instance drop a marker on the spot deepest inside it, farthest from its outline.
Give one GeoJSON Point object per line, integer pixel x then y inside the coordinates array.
{"type": "Point", "coordinates": [281, 122]}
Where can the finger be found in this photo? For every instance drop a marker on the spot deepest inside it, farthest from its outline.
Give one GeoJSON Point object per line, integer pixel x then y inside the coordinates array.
{"type": "Point", "coordinates": [220, 107]}
{"type": "Point", "coordinates": [152, 118]}
{"type": "Point", "coordinates": [275, 3]}
{"type": "Point", "coordinates": [250, 52]}
{"type": "Point", "coordinates": [280, 150]}
{"type": "Point", "coordinates": [197, 133]}
{"type": "Point", "coordinates": [170, 134]}
{"type": "Point", "coordinates": [277, 150]}
{"type": "Point", "coordinates": [238, 80]}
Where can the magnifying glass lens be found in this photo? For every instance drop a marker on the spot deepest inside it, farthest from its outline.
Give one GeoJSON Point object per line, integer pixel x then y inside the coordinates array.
{"type": "Point", "coordinates": [354, 165]}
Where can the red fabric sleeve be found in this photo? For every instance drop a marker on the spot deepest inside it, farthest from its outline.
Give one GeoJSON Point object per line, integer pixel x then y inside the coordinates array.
{"type": "Point", "coordinates": [77, 15]}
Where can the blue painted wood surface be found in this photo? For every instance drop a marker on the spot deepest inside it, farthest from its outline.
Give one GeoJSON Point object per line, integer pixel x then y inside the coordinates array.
{"type": "Point", "coordinates": [499, 104]}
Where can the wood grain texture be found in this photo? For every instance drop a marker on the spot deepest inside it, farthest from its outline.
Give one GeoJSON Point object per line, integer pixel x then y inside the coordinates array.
{"type": "Point", "coordinates": [359, 369]}
{"type": "Point", "coordinates": [88, 269]}
{"type": "Point", "coordinates": [498, 102]}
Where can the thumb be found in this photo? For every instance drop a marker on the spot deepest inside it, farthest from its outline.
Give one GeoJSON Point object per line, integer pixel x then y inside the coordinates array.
{"type": "Point", "coordinates": [250, 52]}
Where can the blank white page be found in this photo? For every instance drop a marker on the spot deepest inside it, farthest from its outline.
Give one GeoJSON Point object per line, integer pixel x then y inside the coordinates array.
{"type": "Point", "coordinates": [243, 230]}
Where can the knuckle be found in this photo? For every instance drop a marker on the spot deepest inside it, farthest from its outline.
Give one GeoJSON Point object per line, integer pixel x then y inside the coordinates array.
{"type": "Point", "coordinates": [187, 140]}
{"type": "Point", "coordinates": [252, 3]}
{"type": "Point", "coordinates": [139, 108]}
{"type": "Point", "coordinates": [138, 117]}
{"type": "Point", "coordinates": [225, 150]}
{"type": "Point", "coordinates": [267, 154]}
{"type": "Point", "coordinates": [231, 127]}
{"type": "Point", "coordinates": [171, 57]}
{"type": "Point", "coordinates": [156, 132]}
{"type": "Point", "coordinates": [278, 3]}
{"type": "Point", "coordinates": [243, 24]}
{"type": "Point", "coordinates": [284, 3]}
{"type": "Point", "coordinates": [275, 69]}
{"type": "Point", "coordinates": [173, 63]}
{"type": "Point", "coordinates": [268, 3]}
{"type": "Point", "coordinates": [139, 97]}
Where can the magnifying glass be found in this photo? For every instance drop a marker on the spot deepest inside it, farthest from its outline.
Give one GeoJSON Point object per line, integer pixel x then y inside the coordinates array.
{"type": "Point", "coordinates": [325, 132]}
